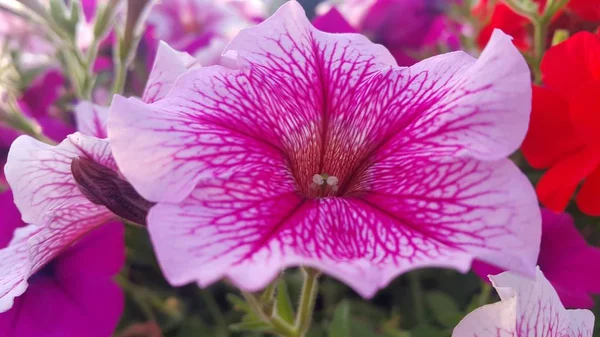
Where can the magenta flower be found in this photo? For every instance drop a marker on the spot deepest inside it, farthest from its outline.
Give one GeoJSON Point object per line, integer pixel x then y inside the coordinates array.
{"type": "Point", "coordinates": [56, 274]}
{"type": "Point", "coordinates": [528, 308]}
{"type": "Point", "coordinates": [64, 290]}
{"type": "Point", "coordinates": [566, 259]}
{"type": "Point", "coordinates": [38, 102]}
{"type": "Point", "coordinates": [405, 27]}
{"type": "Point", "coordinates": [317, 150]}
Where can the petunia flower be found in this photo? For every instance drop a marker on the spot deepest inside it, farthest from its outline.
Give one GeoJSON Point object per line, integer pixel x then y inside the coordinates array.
{"type": "Point", "coordinates": [405, 27]}
{"type": "Point", "coordinates": [566, 259]}
{"type": "Point", "coordinates": [63, 289]}
{"type": "Point", "coordinates": [563, 133]}
{"type": "Point", "coordinates": [527, 308]}
{"type": "Point", "coordinates": [56, 274]}
{"type": "Point", "coordinates": [37, 102]}
{"type": "Point", "coordinates": [318, 150]}
{"type": "Point", "coordinates": [201, 27]}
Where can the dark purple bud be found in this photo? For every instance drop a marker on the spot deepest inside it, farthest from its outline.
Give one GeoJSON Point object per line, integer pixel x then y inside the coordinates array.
{"type": "Point", "coordinates": [103, 186]}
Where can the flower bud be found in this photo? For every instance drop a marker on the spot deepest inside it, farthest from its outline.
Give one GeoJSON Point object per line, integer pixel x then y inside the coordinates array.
{"type": "Point", "coordinates": [103, 186]}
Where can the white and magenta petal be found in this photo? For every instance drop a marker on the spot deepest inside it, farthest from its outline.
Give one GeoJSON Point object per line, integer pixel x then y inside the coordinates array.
{"type": "Point", "coordinates": [15, 266]}
{"type": "Point", "coordinates": [528, 308]}
{"type": "Point", "coordinates": [40, 174]}
{"type": "Point", "coordinates": [91, 119]}
{"type": "Point", "coordinates": [168, 65]}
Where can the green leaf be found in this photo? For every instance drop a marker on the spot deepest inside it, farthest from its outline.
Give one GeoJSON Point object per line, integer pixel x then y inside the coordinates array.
{"type": "Point", "coordinates": [283, 307]}
{"type": "Point", "coordinates": [362, 329]}
{"type": "Point", "coordinates": [444, 309]}
{"type": "Point", "coordinates": [238, 303]}
{"type": "Point", "coordinates": [59, 12]}
{"type": "Point", "coordinates": [340, 326]}
{"type": "Point", "coordinates": [254, 325]}
{"type": "Point", "coordinates": [75, 13]}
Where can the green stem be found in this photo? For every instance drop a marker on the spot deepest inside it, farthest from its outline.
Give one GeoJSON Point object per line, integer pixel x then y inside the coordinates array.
{"type": "Point", "coordinates": [417, 295]}
{"type": "Point", "coordinates": [308, 298]}
{"type": "Point", "coordinates": [213, 308]}
{"type": "Point", "coordinates": [120, 76]}
{"type": "Point", "coordinates": [540, 32]}
{"type": "Point", "coordinates": [484, 295]}
{"type": "Point", "coordinates": [279, 325]}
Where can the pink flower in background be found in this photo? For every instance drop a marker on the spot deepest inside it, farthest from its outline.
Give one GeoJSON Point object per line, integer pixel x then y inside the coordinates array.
{"type": "Point", "coordinates": [405, 27]}
{"type": "Point", "coordinates": [18, 34]}
{"type": "Point", "coordinates": [528, 308]}
{"type": "Point", "coordinates": [566, 259]}
{"type": "Point", "coordinates": [63, 289]}
{"type": "Point", "coordinates": [56, 274]}
{"type": "Point", "coordinates": [317, 150]}
{"type": "Point", "coordinates": [201, 27]}
{"type": "Point", "coordinates": [37, 102]}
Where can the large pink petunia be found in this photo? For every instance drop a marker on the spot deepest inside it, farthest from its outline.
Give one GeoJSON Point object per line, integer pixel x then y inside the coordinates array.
{"type": "Point", "coordinates": [528, 308]}
{"type": "Point", "coordinates": [569, 263]}
{"type": "Point", "coordinates": [318, 150]}
{"type": "Point", "coordinates": [56, 274]}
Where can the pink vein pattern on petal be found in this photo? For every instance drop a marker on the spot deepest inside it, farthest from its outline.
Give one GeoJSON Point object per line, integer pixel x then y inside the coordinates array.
{"type": "Point", "coordinates": [418, 213]}
{"type": "Point", "coordinates": [414, 160]}
{"type": "Point", "coordinates": [91, 119]}
{"type": "Point", "coordinates": [528, 308]}
{"type": "Point", "coordinates": [168, 65]}
{"type": "Point", "coordinates": [15, 266]}
{"type": "Point", "coordinates": [40, 174]}
{"type": "Point", "coordinates": [216, 116]}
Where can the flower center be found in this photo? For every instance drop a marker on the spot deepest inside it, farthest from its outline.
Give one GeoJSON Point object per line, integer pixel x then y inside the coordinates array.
{"type": "Point", "coordinates": [323, 185]}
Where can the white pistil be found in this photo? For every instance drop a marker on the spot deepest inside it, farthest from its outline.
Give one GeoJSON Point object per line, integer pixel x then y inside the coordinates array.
{"type": "Point", "coordinates": [318, 179]}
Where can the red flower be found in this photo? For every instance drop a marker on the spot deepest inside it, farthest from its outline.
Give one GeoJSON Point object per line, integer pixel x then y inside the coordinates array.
{"type": "Point", "coordinates": [502, 17]}
{"type": "Point", "coordinates": [498, 15]}
{"type": "Point", "coordinates": [564, 131]}
{"type": "Point", "coordinates": [587, 9]}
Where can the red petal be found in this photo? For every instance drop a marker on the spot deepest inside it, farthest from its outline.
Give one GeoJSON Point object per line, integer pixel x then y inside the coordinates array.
{"type": "Point", "coordinates": [510, 23]}
{"type": "Point", "coordinates": [570, 64]}
{"type": "Point", "coordinates": [551, 136]}
{"type": "Point", "coordinates": [586, 9]}
{"type": "Point", "coordinates": [588, 197]}
{"type": "Point", "coordinates": [558, 184]}
{"type": "Point", "coordinates": [583, 108]}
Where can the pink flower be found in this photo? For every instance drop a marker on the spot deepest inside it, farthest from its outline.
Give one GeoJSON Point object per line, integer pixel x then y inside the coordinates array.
{"type": "Point", "coordinates": [528, 308]}
{"type": "Point", "coordinates": [566, 259]}
{"type": "Point", "coordinates": [405, 27]}
{"type": "Point", "coordinates": [317, 150]}
{"type": "Point", "coordinates": [56, 274]}
{"type": "Point", "coordinates": [64, 290]}
{"type": "Point", "coordinates": [38, 102]}
{"type": "Point", "coordinates": [201, 27]}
